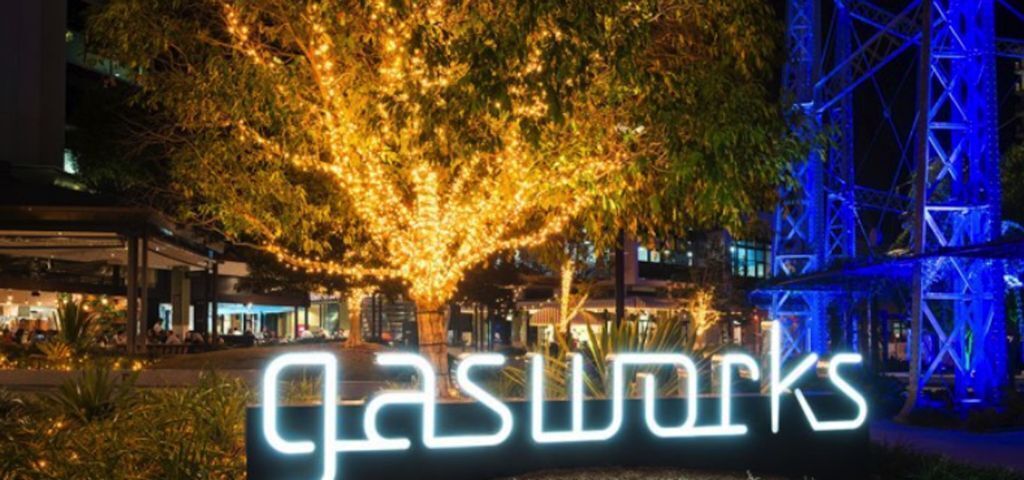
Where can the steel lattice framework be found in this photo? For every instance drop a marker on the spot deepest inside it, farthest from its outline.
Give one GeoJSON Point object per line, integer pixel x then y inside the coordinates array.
{"type": "Point", "coordinates": [958, 302]}
{"type": "Point", "coordinates": [796, 247]}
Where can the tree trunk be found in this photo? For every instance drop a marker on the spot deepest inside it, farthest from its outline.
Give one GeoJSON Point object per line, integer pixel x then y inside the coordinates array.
{"type": "Point", "coordinates": [567, 271]}
{"type": "Point", "coordinates": [433, 339]}
{"type": "Point", "coordinates": [620, 278]}
{"type": "Point", "coordinates": [354, 306]}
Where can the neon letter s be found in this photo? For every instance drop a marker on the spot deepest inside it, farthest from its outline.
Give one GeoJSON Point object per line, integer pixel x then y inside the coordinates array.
{"type": "Point", "coordinates": [843, 386]}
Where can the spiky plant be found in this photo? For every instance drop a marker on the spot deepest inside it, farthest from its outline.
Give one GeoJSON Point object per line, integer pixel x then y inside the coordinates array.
{"type": "Point", "coordinates": [305, 389]}
{"type": "Point", "coordinates": [15, 434]}
{"type": "Point", "coordinates": [198, 432]}
{"type": "Point", "coordinates": [93, 394]}
{"type": "Point", "coordinates": [667, 335]}
{"type": "Point", "coordinates": [75, 324]}
{"type": "Point", "coordinates": [58, 352]}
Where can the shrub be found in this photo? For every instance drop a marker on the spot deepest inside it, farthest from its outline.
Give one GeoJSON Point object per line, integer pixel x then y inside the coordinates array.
{"type": "Point", "coordinates": [93, 394]}
{"type": "Point", "coordinates": [107, 429]}
{"type": "Point", "coordinates": [668, 336]}
{"type": "Point", "coordinates": [57, 351]}
{"type": "Point", "coordinates": [16, 433]}
{"type": "Point", "coordinates": [75, 325]}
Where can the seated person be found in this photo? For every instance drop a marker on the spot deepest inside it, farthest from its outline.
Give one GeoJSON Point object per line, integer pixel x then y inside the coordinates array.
{"type": "Point", "coordinates": [172, 338]}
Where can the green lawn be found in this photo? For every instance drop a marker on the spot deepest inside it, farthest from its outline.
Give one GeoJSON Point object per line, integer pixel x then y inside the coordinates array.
{"type": "Point", "coordinates": [901, 463]}
{"type": "Point", "coordinates": [886, 464]}
{"type": "Point", "coordinates": [638, 474]}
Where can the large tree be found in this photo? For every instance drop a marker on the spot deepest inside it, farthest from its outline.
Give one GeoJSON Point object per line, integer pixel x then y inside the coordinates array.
{"type": "Point", "coordinates": [411, 140]}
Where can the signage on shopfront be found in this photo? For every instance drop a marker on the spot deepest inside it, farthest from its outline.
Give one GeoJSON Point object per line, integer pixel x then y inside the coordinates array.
{"type": "Point", "coordinates": [330, 444]}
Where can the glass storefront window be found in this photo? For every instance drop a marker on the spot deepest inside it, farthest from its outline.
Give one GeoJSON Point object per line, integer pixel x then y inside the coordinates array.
{"type": "Point", "coordinates": [749, 259]}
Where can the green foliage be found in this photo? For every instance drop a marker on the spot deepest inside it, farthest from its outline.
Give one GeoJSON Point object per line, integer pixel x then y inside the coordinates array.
{"type": "Point", "coordinates": [200, 430]}
{"type": "Point", "coordinates": [1009, 415]}
{"type": "Point", "coordinates": [307, 388]}
{"type": "Point", "coordinates": [677, 93]}
{"type": "Point", "coordinates": [187, 433]}
{"type": "Point", "coordinates": [713, 144]}
{"type": "Point", "coordinates": [16, 431]}
{"type": "Point", "coordinates": [93, 394]}
{"type": "Point", "coordinates": [493, 284]}
{"type": "Point", "coordinates": [110, 316]}
{"type": "Point", "coordinates": [997, 419]}
{"type": "Point", "coordinates": [58, 352]}
{"type": "Point", "coordinates": [667, 336]}
{"type": "Point", "coordinates": [75, 325]}
{"type": "Point", "coordinates": [903, 463]}
{"type": "Point", "coordinates": [13, 411]}
{"type": "Point", "coordinates": [887, 464]}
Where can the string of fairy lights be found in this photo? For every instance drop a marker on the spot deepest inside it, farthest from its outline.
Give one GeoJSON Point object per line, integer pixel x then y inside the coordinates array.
{"type": "Point", "coordinates": [433, 221]}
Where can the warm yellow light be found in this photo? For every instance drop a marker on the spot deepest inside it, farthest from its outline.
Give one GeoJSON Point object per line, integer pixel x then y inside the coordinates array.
{"type": "Point", "coordinates": [424, 211]}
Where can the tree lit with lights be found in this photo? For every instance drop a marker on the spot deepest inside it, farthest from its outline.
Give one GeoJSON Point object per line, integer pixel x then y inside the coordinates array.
{"type": "Point", "coordinates": [410, 141]}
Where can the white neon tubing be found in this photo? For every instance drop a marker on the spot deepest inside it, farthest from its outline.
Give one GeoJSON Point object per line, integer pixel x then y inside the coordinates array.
{"type": "Point", "coordinates": [843, 386]}
{"type": "Point", "coordinates": [650, 393]}
{"type": "Point", "coordinates": [576, 433]}
{"type": "Point", "coordinates": [577, 392]}
{"type": "Point", "coordinates": [424, 397]}
{"type": "Point", "coordinates": [537, 399]}
{"type": "Point", "coordinates": [473, 390]}
{"type": "Point", "coordinates": [330, 408]}
{"type": "Point", "coordinates": [778, 386]}
{"type": "Point", "coordinates": [728, 361]}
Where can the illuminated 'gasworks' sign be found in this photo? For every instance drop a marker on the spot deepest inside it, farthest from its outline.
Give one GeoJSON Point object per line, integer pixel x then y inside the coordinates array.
{"type": "Point", "coordinates": [495, 431]}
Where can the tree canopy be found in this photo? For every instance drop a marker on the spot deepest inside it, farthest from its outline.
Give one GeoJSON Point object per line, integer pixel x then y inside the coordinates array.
{"type": "Point", "coordinates": [412, 140]}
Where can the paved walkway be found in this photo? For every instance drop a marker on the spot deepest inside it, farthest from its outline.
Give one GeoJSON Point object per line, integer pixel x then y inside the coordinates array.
{"type": "Point", "coordinates": [1004, 449]}
{"type": "Point", "coordinates": [48, 380]}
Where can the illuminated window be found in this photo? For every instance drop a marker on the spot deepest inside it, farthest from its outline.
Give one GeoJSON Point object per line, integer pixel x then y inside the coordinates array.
{"type": "Point", "coordinates": [672, 252]}
{"type": "Point", "coordinates": [70, 162]}
{"type": "Point", "coordinates": [749, 259]}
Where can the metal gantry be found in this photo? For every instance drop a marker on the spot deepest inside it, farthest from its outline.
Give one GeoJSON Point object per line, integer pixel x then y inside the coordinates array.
{"type": "Point", "coordinates": [814, 223]}
{"type": "Point", "coordinates": [797, 247]}
{"type": "Point", "coordinates": [958, 302]}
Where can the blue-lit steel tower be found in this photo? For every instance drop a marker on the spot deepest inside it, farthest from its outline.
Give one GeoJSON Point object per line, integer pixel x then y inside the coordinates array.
{"type": "Point", "coordinates": [840, 201]}
{"type": "Point", "coordinates": [814, 222]}
{"type": "Point", "coordinates": [797, 246]}
{"type": "Point", "coordinates": [958, 312]}
{"type": "Point", "coordinates": [959, 300]}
